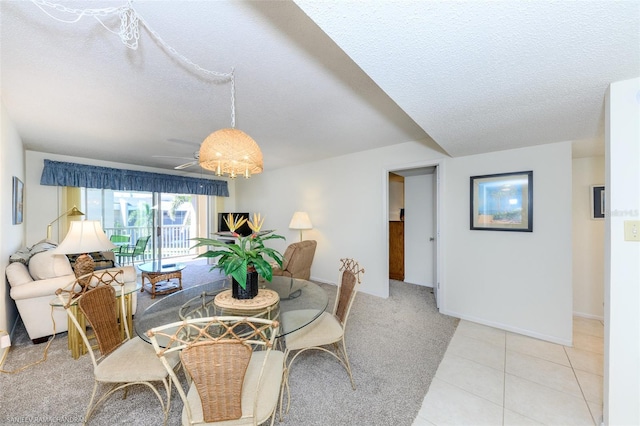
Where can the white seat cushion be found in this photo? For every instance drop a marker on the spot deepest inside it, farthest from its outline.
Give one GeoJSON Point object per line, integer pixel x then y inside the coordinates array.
{"type": "Point", "coordinates": [135, 360]}
{"type": "Point", "coordinates": [324, 330]}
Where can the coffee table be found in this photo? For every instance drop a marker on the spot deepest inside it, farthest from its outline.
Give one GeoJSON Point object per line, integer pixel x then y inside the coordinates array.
{"type": "Point", "coordinates": [160, 275]}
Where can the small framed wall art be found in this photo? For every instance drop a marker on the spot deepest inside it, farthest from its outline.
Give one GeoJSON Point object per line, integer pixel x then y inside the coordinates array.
{"type": "Point", "coordinates": [18, 193]}
{"type": "Point", "coordinates": [597, 201]}
{"type": "Point", "coordinates": [502, 202]}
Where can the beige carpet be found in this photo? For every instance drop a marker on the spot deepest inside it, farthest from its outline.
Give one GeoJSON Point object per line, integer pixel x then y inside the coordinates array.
{"type": "Point", "coordinates": [395, 346]}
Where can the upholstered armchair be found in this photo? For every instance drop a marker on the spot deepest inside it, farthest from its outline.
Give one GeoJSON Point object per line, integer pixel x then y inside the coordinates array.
{"type": "Point", "coordinates": [297, 260]}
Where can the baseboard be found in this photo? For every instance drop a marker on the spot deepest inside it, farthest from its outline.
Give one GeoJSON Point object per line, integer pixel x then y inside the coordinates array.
{"type": "Point", "coordinates": [319, 280]}
{"type": "Point", "coordinates": [11, 333]}
{"type": "Point", "coordinates": [588, 316]}
{"type": "Point", "coordinates": [506, 327]}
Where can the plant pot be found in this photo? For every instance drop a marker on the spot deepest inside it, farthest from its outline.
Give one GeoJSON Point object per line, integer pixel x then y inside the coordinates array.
{"type": "Point", "coordinates": [251, 289]}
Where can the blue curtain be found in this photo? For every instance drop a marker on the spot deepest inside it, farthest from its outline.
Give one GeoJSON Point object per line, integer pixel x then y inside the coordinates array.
{"type": "Point", "coordinates": [60, 173]}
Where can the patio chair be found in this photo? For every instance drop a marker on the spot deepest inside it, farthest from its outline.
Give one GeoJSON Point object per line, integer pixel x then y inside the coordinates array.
{"type": "Point", "coordinates": [119, 241]}
{"type": "Point", "coordinates": [131, 252]}
{"type": "Point", "coordinates": [120, 362]}
{"type": "Point", "coordinates": [234, 376]}
{"type": "Point", "coordinates": [326, 333]}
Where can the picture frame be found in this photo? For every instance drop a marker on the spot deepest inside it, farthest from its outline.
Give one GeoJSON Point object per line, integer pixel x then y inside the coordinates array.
{"type": "Point", "coordinates": [597, 198]}
{"type": "Point", "coordinates": [18, 197]}
{"type": "Point", "coordinates": [502, 202]}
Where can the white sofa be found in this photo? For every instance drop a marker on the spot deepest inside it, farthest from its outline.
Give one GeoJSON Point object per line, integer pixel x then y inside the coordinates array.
{"type": "Point", "coordinates": [35, 285]}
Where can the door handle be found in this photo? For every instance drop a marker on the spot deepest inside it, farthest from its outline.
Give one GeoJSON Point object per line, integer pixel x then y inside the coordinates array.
{"type": "Point", "coordinates": [431, 238]}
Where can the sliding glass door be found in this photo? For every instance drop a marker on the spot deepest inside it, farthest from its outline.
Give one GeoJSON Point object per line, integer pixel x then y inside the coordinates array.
{"type": "Point", "coordinates": [176, 223]}
{"type": "Point", "coordinates": [169, 220]}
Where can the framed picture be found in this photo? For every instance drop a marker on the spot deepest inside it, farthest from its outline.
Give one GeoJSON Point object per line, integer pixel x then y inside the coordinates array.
{"type": "Point", "coordinates": [597, 202]}
{"type": "Point", "coordinates": [18, 193]}
{"type": "Point", "coordinates": [502, 202]}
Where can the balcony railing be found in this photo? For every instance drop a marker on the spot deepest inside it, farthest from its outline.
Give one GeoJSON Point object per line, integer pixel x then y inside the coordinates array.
{"type": "Point", "coordinates": [175, 239]}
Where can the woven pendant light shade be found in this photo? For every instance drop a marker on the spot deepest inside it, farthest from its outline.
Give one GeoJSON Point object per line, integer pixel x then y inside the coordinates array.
{"type": "Point", "coordinates": [231, 152]}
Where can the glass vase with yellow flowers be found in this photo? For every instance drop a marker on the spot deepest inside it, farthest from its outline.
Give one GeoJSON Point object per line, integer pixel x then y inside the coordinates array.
{"type": "Point", "coordinates": [244, 259]}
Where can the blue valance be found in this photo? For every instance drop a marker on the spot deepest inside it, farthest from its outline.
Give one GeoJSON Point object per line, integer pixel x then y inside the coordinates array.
{"type": "Point", "coordinates": [60, 173]}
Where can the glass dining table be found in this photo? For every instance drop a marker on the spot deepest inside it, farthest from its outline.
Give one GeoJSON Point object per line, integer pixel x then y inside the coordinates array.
{"type": "Point", "coordinates": [300, 300]}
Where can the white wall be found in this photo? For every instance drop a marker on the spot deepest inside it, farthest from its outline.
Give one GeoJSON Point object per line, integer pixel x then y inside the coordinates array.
{"type": "Point", "coordinates": [346, 198]}
{"type": "Point", "coordinates": [511, 280]}
{"type": "Point", "coordinates": [418, 228]}
{"type": "Point", "coordinates": [12, 236]}
{"type": "Point", "coordinates": [622, 258]}
{"type": "Point", "coordinates": [588, 241]}
{"type": "Point", "coordinates": [518, 281]}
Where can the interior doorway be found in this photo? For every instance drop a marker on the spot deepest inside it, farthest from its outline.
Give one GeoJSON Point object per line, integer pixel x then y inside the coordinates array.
{"type": "Point", "coordinates": [414, 255]}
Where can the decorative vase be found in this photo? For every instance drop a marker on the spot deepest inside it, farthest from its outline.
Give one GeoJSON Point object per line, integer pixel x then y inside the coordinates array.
{"type": "Point", "coordinates": [251, 289]}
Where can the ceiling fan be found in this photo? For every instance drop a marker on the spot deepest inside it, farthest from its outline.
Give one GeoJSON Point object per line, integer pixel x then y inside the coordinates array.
{"type": "Point", "coordinates": [192, 161]}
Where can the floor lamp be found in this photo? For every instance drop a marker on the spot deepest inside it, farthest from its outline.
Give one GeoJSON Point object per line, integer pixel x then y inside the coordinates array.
{"type": "Point", "coordinates": [300, 220]}
{"type": "Point", "coordinates": [73, 211]}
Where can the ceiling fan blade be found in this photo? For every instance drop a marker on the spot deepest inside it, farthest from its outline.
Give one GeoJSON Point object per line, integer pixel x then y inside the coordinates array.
{"type": "Point", "coordinates": [182, 141]}
{"type": "Point", "coordinates": [172, 156]}
{"type": "Point", "coordinates": [186, 165]}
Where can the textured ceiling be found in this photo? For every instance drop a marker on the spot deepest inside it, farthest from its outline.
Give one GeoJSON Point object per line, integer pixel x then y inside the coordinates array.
{"type": "Point", "coordinates": [316, 79]}
{"type": "Point", "coordinates": [481, 76]}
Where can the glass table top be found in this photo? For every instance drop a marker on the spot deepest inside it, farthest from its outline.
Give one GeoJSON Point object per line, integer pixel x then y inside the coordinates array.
{"type": "Point", "coordinates": [305, 299]}
{"type": "Point", "coordinates": [160, 267]}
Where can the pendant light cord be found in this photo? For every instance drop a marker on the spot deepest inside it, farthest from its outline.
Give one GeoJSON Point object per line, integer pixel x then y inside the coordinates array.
{"type": "Point", "coordinates": [129, 32]}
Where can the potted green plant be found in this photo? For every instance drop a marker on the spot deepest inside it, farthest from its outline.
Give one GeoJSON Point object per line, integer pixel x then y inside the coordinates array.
{"type": "Point", "coordinates": [244, 259]}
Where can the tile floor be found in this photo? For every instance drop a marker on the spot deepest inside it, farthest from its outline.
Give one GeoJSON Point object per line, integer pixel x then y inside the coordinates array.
{"type": "Point", "coordinates": [494, 377]}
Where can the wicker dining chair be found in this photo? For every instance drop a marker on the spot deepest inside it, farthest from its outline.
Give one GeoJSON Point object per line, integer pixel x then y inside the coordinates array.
{"type": "Point", "coordinates": [119, 362]}
{"type": "Point", "coordinates": [234, 375]}
{"type": "Point", "coordinates": [327, 332]}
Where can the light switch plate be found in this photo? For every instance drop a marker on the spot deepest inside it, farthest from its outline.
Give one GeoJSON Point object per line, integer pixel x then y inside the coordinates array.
{"type": "Point", "coordinates": [632, 230]}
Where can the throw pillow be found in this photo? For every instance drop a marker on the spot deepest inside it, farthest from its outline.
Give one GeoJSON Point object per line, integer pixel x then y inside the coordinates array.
{"type": "Point", "coordinates": [46, 264]}
{"type": "Point", "coordinates": [41, 246]}
{"type": "Point", "coordinates": [21, 256]}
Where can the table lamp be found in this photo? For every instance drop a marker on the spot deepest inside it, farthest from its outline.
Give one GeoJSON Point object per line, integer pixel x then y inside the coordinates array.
{"type": "Point", "coordinates": [84, 236]}
{"type": "Point", "coordinates": [300, 220]}
{"type": "Point", "coordinates": [73, 211]}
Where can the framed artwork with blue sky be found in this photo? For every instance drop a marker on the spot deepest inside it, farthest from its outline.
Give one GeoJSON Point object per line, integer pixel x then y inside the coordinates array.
{"type": "Point", "coordinates": [502, 202]}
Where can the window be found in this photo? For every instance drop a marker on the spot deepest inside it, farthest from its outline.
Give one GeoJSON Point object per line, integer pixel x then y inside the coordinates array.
{"type": "Point", "coordinates": [134, 214]}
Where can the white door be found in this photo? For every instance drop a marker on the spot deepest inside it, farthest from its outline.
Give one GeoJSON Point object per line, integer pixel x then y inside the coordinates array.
{"type": "Point", "coordinates": [435, 237]}
{"type": "Point", "coordinates": [421, 226]}
{"type": "Point", "coordinates": [418, 229]}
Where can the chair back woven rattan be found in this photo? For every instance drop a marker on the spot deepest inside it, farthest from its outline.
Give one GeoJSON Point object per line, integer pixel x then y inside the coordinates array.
{"type": "Point", "coordinates": [74, 294]}
{"type": "Point", "coordinates": [219, 383]}
{"type": "Point", "coordinates": [99, 307]}
{"type": "Point", "coordinates": [231, 365]}
{"type": "Point", "coordinates": [349, 278]}
{"type": "Point", "coordinates": [123, 361]}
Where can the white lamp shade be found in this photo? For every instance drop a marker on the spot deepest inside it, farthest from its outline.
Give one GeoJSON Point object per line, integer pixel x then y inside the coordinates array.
{"type": "Point", "coordinates": [300, 220]}
{"type": "Point", "coordinates": [84, 236]}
